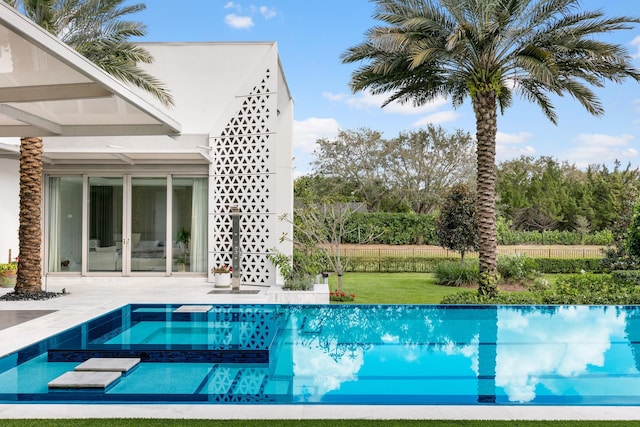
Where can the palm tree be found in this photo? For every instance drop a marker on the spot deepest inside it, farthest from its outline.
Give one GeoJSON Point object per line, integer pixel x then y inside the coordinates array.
{"type": "Point", "coordinates": [95, 29]}
{"type": "Point", "coordinates": [487, 50]}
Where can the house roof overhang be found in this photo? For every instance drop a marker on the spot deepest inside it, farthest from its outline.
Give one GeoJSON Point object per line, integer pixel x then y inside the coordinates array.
{"type": "Point", "coordinates": [48, 89]}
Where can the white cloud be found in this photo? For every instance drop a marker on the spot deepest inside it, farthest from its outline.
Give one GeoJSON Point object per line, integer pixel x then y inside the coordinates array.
{"type": "Point", "coordinates": [268, 13]}
{"type": "Point", "coordinates": [367, 101]}
{"type": "Point", "coordinates": [437, 118]}
{"type": "Point", "coordinates": [308, 131]}
{"type": "Point", "coordinates": [636, 43]}
{"type": "Point", "coordinates": [239, 22]}
{"type": "Point", "coordinates": [601, 148]}
{"type": "Point", "coordinates": [243, 18]}
{"type": "Point", "coordinates": [511, 145]}
{"type": "Point", "coordinates": [552, 353]}
{"type": "Point", "coordinates": [512, 138]}
{"type": "Point", "coordinates": [334, 96]}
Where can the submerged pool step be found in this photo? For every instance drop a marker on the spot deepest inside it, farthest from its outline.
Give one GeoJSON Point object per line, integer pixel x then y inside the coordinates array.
{"type": "Point", "coordinates": [74, 380]}
{"type": "Point", "coordinates": [109, 364]}
{"type": "Point", "coordinates": [95, 373]}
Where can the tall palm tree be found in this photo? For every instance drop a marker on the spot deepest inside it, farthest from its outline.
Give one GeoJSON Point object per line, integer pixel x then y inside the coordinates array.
{"type": "Point", "coordinates": [95, 29]}
{"type": "Point", "coordinates": [487, 50]}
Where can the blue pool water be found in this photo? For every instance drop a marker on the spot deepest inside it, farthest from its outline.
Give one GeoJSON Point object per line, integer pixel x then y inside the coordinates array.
{"type": "Point", "coordinates": [342, 354]}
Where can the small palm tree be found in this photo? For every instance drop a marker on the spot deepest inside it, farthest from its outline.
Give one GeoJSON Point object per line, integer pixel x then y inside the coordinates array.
{"type": "Point", "coordinates": [95, 29]}
{"type": "Point", "coordinates": [487, 50]}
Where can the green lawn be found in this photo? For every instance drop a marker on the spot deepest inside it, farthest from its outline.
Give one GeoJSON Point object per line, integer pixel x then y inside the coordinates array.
{"type": "Point", "coordinates": [400, 288]}
{"type": "Point", "coordinates": [393, 288]}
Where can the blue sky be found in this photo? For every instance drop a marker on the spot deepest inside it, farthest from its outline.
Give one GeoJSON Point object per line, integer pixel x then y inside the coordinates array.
{"type": "Point", "coordinates": [311, 36]}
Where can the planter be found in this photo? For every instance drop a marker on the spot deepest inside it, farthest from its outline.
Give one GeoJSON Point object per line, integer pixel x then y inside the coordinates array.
{"type": "Point", "coordinates": [7, 278]}
{"type": "Point", "coordinates": [222, 280]}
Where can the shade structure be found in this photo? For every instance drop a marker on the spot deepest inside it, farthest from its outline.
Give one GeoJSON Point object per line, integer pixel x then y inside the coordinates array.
{"type": "Point", "coordinates": [48, 89]}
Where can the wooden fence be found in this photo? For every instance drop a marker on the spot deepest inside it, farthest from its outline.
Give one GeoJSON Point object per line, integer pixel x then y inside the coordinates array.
{"type": "Point", "coordinates": [561, 252]}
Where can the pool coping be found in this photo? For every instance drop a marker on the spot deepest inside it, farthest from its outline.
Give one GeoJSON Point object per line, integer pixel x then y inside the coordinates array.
{"type": "Point", "coordinates": [84, 303]}
{"type": "Point", "coordinates": [273, 412]}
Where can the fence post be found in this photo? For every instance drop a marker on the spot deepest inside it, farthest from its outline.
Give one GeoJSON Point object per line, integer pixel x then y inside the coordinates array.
{"type": "Point", "coordinates": [413, 254]}
{"type": "Point", "coordinates": [379, 262]}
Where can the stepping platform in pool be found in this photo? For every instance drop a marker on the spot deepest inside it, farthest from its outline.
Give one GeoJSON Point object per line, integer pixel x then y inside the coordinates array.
{"type": "Point", "coordinates": [193, 309]}
{"type": "Point", "coordinates": [84, 379]}
{"type": "Point", "coordinates": [109, 364]}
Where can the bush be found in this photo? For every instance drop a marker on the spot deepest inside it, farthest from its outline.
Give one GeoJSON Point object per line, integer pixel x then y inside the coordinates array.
{"type": "Point", "coordinates": [569, 266]}
{"type": "Point", "coordinates": [516, 267]}
{"type": "Point", "coordinates": [508, 236]}
{"type": "Point", "coordinates": [454, 273]}
{"type": "Point", "coordinates": [631, 277]}
{"type": "Point", "coordinates": [591, 289]}
{"type": "Point", "coordinates": [336, 296]}
{"type": "Point", "coordinates": [471, 297]}
{"type": "Point", "coordinates": [393, 228]}
{"type": "Point", "coordinates": [588, 288]}
{"type": "Point", "coordinates": [395, 264]}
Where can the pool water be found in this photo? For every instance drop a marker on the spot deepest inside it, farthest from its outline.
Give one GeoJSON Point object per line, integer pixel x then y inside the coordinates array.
{"type": "Point", "coordinates": [346, 354]}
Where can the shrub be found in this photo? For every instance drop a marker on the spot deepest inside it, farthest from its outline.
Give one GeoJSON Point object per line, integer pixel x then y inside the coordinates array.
{"type": "Point", "coordinates": [569, 266]}
{"type": "Point", "coordinates": [516, 267]}
{"type": "Point", "coordinates": [393, 228]}
{"type": "Point", "coordinates": [591, 289]}
{"type": "Point", "coordinates": [396, 264]}
{"type": "Point", "coordinates": [507, 236]}
{"type": "Point", "coordinates": [471, 297]}
{"type": "Point", "coordinates": [631, 277]}
{"type": "Point", "coordinates": [454, 273]}
{"type": "Point", "coordinates": [337, 296]}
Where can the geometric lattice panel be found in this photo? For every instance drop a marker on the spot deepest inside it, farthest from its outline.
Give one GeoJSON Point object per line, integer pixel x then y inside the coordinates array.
{"type": "Point", "coordinates": [242, 176]}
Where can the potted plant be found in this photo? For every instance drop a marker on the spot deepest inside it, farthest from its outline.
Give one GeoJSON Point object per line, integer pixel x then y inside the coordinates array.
{"type": "Point", "coordinates": [183, 238]}
{"type": "Point", "coordinates": [181, 262]}
{"type": "Point", "coordinates": [222, 276]}
{"type": "Point", "coordinates": [8, 274]}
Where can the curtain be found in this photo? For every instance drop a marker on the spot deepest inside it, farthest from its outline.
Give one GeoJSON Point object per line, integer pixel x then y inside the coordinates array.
{"type": "Point", "coordinates": [54, 224]}
{"type": "Point", "coordinates": [199, 216]}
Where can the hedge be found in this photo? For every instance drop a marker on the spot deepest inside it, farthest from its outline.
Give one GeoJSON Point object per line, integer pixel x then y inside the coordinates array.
{"type": "Point", "coordinates": [428, 264]}
{"type": "Point", "coordinates": [561, 265]}
{"type": "Point", "coordinates": [390, 228]}
{"type": "Point", "coordinates": [395, 264]}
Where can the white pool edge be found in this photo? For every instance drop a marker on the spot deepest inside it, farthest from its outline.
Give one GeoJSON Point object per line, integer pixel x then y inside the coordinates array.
{"type": "Point", "coordinates": [274, 412]}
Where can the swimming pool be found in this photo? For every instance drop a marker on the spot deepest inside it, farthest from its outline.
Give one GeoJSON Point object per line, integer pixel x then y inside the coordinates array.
{"type": "Point", "coordinates": [344, 354]}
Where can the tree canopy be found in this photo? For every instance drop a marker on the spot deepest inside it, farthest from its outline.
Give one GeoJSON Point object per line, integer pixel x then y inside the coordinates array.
{"type": "Point", "coordinates": [487, 51]}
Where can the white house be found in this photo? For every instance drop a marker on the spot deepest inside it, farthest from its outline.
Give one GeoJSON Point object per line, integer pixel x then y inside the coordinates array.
{"type": "Point", "coordinates": [155, 200]}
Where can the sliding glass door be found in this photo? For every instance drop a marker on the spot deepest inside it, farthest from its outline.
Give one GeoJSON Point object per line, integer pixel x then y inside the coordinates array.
{"type": "Point", "coordinates": [131, 224]}
{"type": "Point", "coordinates": [105, 224]}
{"type": "Point", "coordinates": [148, 224]}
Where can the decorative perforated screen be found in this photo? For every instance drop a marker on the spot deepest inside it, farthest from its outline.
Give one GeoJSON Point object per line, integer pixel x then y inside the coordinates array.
{"type": "Point", "coordinates": [242, 176]}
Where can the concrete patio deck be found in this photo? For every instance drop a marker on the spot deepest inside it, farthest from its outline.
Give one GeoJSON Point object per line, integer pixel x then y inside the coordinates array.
{"type": "Point", "coordinates": [85, 302]}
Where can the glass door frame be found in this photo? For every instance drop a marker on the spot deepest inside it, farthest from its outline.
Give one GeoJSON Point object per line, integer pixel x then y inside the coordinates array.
{"type": "Point", "coordinates": [126, 249]}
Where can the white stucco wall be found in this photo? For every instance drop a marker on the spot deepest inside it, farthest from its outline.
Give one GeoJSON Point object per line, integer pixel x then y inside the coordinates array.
{"type": "Point", "coordinates": [9, 208]}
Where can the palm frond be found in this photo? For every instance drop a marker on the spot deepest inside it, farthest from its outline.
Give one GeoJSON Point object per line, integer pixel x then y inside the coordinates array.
{"type": "Point", "coordinates": [98, 30]}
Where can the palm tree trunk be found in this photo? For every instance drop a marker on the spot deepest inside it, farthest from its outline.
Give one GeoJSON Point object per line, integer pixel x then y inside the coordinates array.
{"type": "Point", "coordinates": [29, 278]}
{"type": "Point", "coordinates": [484, 106]}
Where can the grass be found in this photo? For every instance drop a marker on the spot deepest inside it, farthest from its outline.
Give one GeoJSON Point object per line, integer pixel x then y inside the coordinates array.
{"type": "Point", "coordinates": [393, 288]}
{"type": "Point", "coordinates": [401, 288]}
